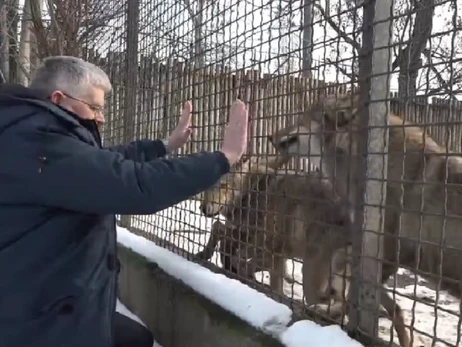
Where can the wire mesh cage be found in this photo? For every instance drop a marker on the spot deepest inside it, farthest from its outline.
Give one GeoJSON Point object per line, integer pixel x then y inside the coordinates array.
{"type": "Point", "coordinates": [346, 206]}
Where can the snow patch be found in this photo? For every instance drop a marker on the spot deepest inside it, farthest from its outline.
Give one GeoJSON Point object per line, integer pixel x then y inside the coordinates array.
{"type": "Point", "coordinates": [182, 225]}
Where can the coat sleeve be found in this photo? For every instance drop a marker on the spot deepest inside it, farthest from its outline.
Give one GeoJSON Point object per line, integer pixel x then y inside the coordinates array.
{"type": "Point", "coordinates": [74, 175]}
{"type": "Point", "coordinates": [142, 150]}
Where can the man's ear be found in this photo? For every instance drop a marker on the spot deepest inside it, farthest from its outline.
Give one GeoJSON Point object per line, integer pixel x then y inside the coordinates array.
{"type": "Point", "coordinates": [56, 97]}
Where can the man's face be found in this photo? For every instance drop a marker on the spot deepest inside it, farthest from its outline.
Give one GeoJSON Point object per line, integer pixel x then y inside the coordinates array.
{"type": "Point", "coordinates": [88, 107]}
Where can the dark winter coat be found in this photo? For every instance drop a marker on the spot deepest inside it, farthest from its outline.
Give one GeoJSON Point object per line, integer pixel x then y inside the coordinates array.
{"type": "Point", "coordinates": [59, 192]}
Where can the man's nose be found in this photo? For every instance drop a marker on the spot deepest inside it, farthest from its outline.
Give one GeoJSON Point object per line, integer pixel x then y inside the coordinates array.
{"type": "Point", "coordinates": [100, 120]}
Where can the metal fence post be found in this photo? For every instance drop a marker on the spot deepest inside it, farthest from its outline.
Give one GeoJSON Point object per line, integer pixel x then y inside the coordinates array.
{"type": "Point", "coordinates": [131, 74]}
{"type": "Point", "coordinates": [374, 82]}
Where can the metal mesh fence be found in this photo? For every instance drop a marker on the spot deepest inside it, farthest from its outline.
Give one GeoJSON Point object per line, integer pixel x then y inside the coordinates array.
{"type": "Point", "coordinates": [349, 195]}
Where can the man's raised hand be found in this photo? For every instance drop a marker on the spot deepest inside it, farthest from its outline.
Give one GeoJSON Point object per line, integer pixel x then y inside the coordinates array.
{"type": "Point", "coordinates": [183, 130]}
{"type": "Point", "coordinates": [235, 137]}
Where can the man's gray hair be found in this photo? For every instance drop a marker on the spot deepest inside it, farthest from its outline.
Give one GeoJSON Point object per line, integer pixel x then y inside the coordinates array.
{"type": "Point", "coordinates": [70, 75]}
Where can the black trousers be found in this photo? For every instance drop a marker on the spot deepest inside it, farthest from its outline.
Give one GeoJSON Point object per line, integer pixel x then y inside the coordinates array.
{"type": "Point", "coordinates": [129, 333]}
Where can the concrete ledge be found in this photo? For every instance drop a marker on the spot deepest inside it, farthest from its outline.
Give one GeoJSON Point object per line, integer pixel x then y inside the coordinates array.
{"type": "Point", "coordinates": [177, 315]}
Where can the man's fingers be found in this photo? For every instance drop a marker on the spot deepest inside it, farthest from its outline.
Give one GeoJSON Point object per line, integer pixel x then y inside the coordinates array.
{"type": "Point", "coordinates": [185, 117]}
{"type": "Point", "coordinates": [187, 107]}
{"type": "Point", "coordinates": [238, 113]}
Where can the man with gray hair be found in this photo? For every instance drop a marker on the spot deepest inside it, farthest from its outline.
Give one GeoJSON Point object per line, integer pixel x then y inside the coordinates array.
{"type": "Point", "coordinates": [60, 190]}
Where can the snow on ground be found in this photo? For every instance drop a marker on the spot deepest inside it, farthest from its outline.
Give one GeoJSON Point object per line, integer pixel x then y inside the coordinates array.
{"type": "Point", "coordinates": [428, 319]}
{"type": "Point", "coordinates": [184, 226]}
{"type": "Point", "coordinates": [424, 312]}
{"type": "Point", "coordinates": [121, 308]}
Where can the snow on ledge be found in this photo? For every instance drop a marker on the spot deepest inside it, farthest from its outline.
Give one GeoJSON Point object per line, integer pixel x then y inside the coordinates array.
{"type": "Point", "coordinates": [246, 303]}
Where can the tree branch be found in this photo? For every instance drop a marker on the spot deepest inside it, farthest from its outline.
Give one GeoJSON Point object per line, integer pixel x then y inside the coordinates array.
{"type": "Point", "coordinates": [39, 29]}
{"type": "Point", "coordinates": [337, 29]}
{"type": "Point", "coordinates": [421, 32]}
{"type": "Point", "coordinates": [351, 75]}
{"type": "Point", "coordinates": [55, 26]}
{"type": "Point", "coordinates": [190, 10]}
{"type": "Point", "coordinates": [443, 84]}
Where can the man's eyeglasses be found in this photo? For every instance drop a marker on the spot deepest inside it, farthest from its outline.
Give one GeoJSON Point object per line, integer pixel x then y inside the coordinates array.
{"type": "Point", "coordinates": [96, 109]}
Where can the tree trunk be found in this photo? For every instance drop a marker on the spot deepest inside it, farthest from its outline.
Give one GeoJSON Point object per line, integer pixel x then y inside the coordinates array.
{"type": "Point", "coordinates": [198, 37]}
{"type": "Point", "coordinates": [307, 59]}
{"type": "Point", "coordinates": [34, 46]}
{"type": "Point", "coordinates": [12, 20]}
{"type": "Point", "coordinates": [410, 59]}
{"type": "Point", "coordinates": [4, 43]}
{"type": "Point", "coordinates": [23, 68]}
{"type": "Point", "coordinates": [407, 80]}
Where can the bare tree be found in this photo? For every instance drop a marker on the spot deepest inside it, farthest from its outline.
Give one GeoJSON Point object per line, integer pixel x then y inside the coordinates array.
{"type": "Point", "coordinates": [62, 27]}
{"type": "Point", "coordinates": [11, 50]}
{"type": "Point", "coordinates": [409, 58]}
{"type": "Point", "coordinates": [74, 26]}
{"type": "Point", "coordinates": [4, 43]}
{"type": "Point", "coordinates": [205, 43]}
{"type": "Point", "coordinates": [307, 46]}
{"type": "Point", "coordinates": [197, 17]}
{"type": "Point", "coordinates": [24, 53]}
{"type": "Point", "coordinates": [420, 56]}
{"type": "Point", "coordinates": [16, 53]}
